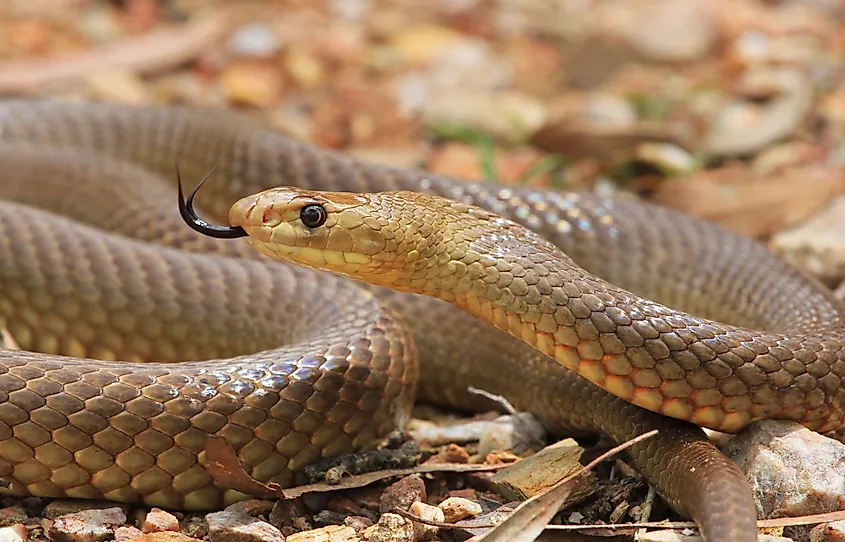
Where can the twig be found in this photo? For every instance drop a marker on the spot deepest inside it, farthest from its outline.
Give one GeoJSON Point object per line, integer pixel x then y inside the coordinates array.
{"type": "Point", "coordinates": [499, 399]}
{"type": "Point", "coordinates": [155, 51]}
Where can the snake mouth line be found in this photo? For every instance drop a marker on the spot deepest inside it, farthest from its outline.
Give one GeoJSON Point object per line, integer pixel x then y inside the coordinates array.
{"type": "Point", "coordinates": [309, 255]}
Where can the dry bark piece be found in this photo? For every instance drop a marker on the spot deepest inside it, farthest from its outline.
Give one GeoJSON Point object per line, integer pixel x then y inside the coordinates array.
{"type": "Point", "coordinates": [546, 468]}
{"type": "Point", "coordinates": [746, 203]}
{"type": "Point", "coordinates": [530, 518]}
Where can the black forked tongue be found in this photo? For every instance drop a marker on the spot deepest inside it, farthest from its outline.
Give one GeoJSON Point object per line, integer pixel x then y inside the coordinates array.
{"type": "Point", "coordinates": [186, 210]}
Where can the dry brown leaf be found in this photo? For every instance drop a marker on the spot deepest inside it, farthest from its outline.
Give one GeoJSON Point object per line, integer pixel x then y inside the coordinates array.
{"type": "Point", "coordinates": [777, 120]}
{"type": "Point", "coordinates": [756, 206]}
{"type": "Point", "coordinates": [361, 480]}
{"type": "Point", "coordinates": [221, 461]}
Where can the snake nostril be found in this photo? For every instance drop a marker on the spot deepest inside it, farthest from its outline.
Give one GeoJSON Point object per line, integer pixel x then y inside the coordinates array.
{"type": "Point", "coordinates": [271, 217]}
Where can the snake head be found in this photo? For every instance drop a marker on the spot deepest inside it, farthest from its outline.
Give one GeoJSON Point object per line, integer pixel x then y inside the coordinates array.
{"type": "Point", "coordinates": [323, 230]}
{"type": "Point", "coordinates": [404, 240]}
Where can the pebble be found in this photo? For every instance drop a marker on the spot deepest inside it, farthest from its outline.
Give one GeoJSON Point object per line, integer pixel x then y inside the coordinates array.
{"type": "Point", "coordinates": [390, 528]}
{"type": "Point", "coordinates": [240, 527]}
{"type": "Point", "coordinates": [457, 508]}
{"type": "Point", "coordinates": [828, 532]}
{"type": "Point", "coordinates": [12, 515]}
{"type": "Point", "coordinates": [359, 523]}
{"type": "Point", "coordinates": [608, 110]}
{"type": "Point", "coordinates": [330, 533]}
{"type": "Point", "coordinates": [306, 70]}
{"type": "Point", "coordinates": [668, 158]}
{"type": "Point", "coordinates": [256, 84]}
{"type": "Point", "coordinates": [469, 64]}
{"type": "Point", "coordinates": [402, 494]}
{"type": "Point", "coordinates": [423, 532]}
{"type": "Point", "coordinates": [420, 44]}
{"type": "Point", "coordinates": [255, 39]}
{"type": "Point", "coordinates": [792, 471]}
{"type": "Point", "coordinates": [13, 533]}
{"type": "Point", "coordinates": [125, 533]}
{"type": "Point", "coordinates": [158, 520]}
{"type": "Point", "coordinates": [87, 525]}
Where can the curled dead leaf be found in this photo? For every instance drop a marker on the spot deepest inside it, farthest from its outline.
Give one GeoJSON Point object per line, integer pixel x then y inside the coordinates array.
{"type": "Point", "coordinates": [747, 203]}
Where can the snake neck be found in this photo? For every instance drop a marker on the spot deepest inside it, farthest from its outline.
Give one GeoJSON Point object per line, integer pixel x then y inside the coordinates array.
{"type": "Point", "coordinates": [715, 375]}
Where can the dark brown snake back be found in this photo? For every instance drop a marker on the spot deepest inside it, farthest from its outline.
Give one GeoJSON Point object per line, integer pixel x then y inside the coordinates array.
{"type": "Point", "coordinates": [55, 414]}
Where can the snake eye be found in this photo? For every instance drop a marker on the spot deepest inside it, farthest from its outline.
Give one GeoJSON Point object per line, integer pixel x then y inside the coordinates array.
{"type": "Point", "coordinates": [313, 215]}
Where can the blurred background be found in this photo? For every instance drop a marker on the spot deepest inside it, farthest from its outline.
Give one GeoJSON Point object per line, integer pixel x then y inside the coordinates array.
{"type": "Point", "coordinates": [732, 110]}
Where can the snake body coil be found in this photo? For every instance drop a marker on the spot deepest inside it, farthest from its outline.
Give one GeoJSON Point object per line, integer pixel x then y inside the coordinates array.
{"type": "Point", "coordinates": [304, 364]}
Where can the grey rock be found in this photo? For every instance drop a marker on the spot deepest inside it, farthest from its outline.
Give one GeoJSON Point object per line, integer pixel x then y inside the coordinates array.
{"type": "Point", "coordinates": [792, 471]}
{"type": "Point", "coordinates": [87, 525]}
{"type": "Point", "coordinates": [240, 527]}
{"type": "Point", "coordinates": [402, 494]}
